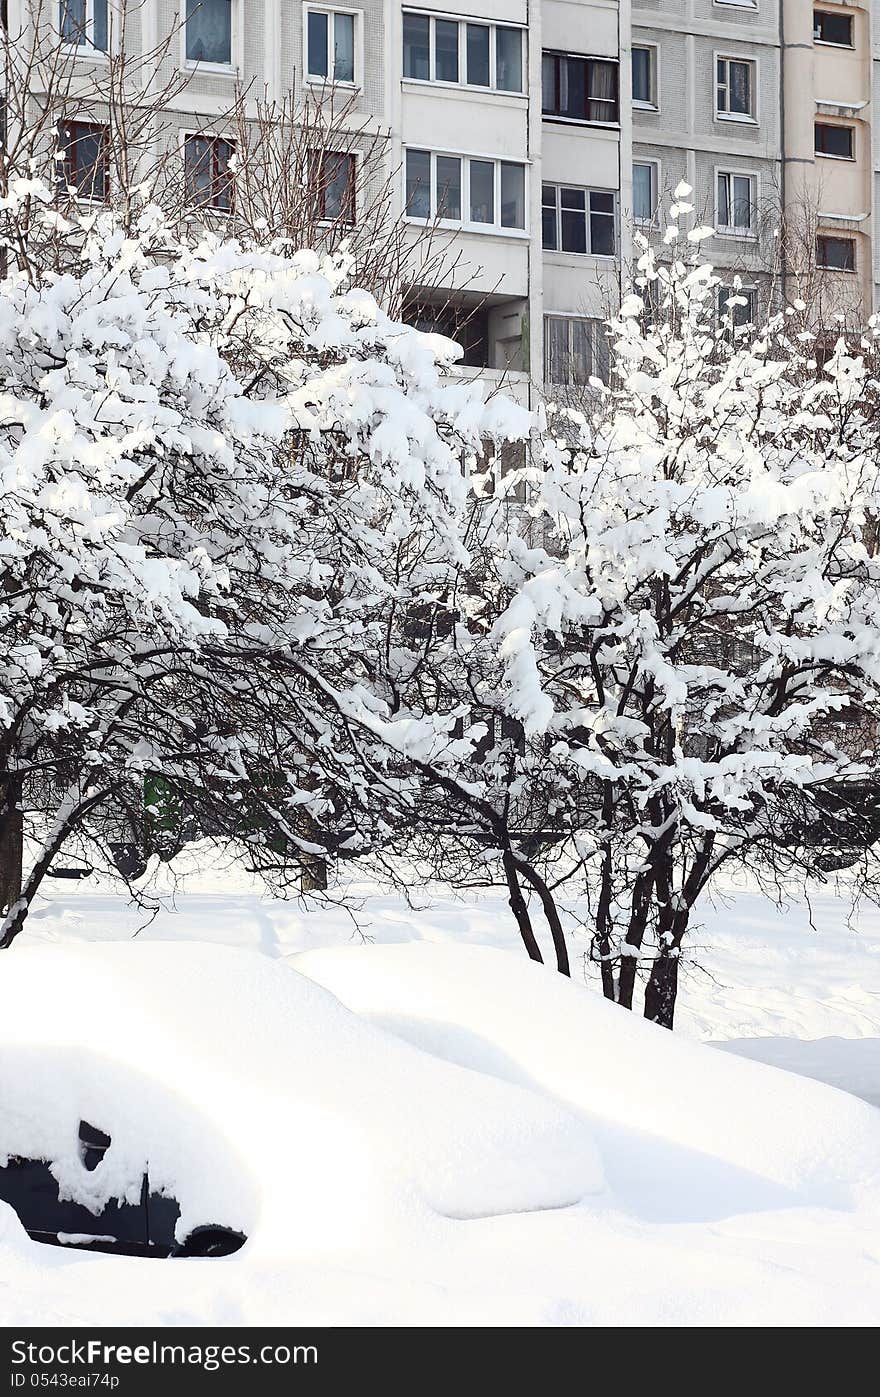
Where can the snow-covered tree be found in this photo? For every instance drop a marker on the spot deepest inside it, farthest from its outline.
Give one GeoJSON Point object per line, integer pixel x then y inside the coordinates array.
{"type": "Point", "coordinates": [697, 640]}
{"type": "Point", "coordinates": [214, 458]}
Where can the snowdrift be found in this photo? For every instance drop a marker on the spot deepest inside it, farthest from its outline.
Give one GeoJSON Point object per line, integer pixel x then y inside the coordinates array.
{"type": "Point", "coordinates": [259, 1102]}
{"type": "Point", "coordinates": [684, 1131]}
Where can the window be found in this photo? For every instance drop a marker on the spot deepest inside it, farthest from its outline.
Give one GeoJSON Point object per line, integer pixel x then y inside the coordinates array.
{"type": "Point", "coordinates": [577, 220]}
{"type": "Point", "coordinates": [450, 50]}
{"type": "Point", "coordinates": [743, 311]}
{"type": "Point", "coordinates": [209, 32]}
{"type": "Point", "coordinates": [332, 177]}
{"type": "Point", "coordinates": [736, 210]}
{"type": "Point", "coordinates": [575, 350]}
{"type": "Point", "coordinates": [579, 89]}
{"type": "Point", "coordinates": [836, 141]}
{"type": "Point", "coordinates": [735, 89]}
{"type": "Point", "coordinates": [644, 191]}
{"type": "Point", "coordinates": [461, 188]}
{"type": "Point", "coordinates": [829, 28]}
{"type": "Point", "coordinates": [836, 254]}
{"type": "Point", "coordinates": [86, 164]}
{"type": "Point", "coordinates": [330, 45]}
{"type": "Point", "coordinates": [84, 23]}
{"type": "Point", "coordinates": [208, 172]}
{"type": "Point", "coordinates": [644, 75]}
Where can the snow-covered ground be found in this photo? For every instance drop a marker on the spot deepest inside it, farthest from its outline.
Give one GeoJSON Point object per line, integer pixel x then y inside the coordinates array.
{"type": "Point", "coordinates": [710, 1189]}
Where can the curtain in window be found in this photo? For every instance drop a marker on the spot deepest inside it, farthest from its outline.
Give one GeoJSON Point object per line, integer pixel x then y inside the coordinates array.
{"type": "Point", "coordinates": [77, 26]}
{"type": "Point", "coordinates": [209, 31]}
{"type": "Point", "coordinates": [508, 59]}
{"type": "Point", "coordinates": [602, 103]}
{"type": "Point", "coordinates": [556, 349]}
{"type": "Point", "coordinates": [72, 21]}
{"type": "Point", "coordinates": [739, 88]}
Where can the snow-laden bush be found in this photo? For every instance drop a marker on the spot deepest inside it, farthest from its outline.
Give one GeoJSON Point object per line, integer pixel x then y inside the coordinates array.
{"type": "Point", "coordinates": [698, 645]}
{"type": "Point", "coordinates": [223, 469]}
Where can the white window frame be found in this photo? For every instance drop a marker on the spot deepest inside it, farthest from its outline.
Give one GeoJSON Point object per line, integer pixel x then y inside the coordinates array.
{"type": "Point", "coordinates": [655, 191]}
{"type": "Point", "coordinates": [560, 251]}
{"type": "Point", "coordinates": [491, 229]}
{"type": "Point", "coordinates": [654, 105]}
{"type": "Point", "coordinates": [463, 21]}
{"type": "Point", "coordinates": [570, 316]}
{"type": "Point", "coordinates": [725, 230]}
{"type": "Point", "coordinates": [829, 43]}
{"type": "Point", "coordinates": [88, 50]}
{"type": "Point", "coordinates": [315, 79]}
{"type": "Point", "coordinates": [736, 4]}
{"type": "Point", "coordinates": [722, 55]}
{"type": "Point", "coordinates": [231, 69]}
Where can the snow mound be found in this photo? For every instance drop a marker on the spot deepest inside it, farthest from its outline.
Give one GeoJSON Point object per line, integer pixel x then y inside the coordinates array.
{"type": "Point", "coordinates": [253, 1097]}
{"type": "Point", "coordinates": [684, 1131]}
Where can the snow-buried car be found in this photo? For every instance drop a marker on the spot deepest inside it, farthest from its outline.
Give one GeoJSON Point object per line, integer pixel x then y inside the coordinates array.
{"type": "Point", "coordinates": [177, 1098]}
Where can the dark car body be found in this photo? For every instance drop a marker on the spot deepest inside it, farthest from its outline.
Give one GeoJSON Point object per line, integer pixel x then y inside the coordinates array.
{"type": "Point", "coordinates": [145, 1228]}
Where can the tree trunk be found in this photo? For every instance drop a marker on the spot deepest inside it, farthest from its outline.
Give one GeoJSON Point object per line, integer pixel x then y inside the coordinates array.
{"type": "Point", "coordinates": [518, 906]}
{"type": "Point", "coordinates": [661, 988]}
{"type": "Point", "coordinates": [11, 848]}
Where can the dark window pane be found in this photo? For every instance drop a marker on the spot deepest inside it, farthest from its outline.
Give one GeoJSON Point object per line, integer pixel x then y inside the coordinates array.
{"type": "Point", "coordinates": [643, 192]}
{"type": "Point", "coordinates": [832, 29]}
{"type": "Point", "coordinates": [445, 50]}
{"type": "Point", "coordinates": [508, 59]}
{"type": "Point", "coordinates": [85, 164]}
{"type": "Point", "coordinates": [343, 48]}
{"type": "Point", "coordinates": [740, 88]}
{"type": "Point", "coordinates": [602, 234]}
{"type": "Point", "coordinates": [573, 88]}
{"type": "Point", "coordinates": [448, 186]}
{"type": "Point", "coordinates": [834, 140]}
{"type": "Point", "coordinates": [317, 39]}
{"type": "Point", "coordinates": [839, 254]}
{"type": "Point", "coordinates": [418, 183]}
{"type": "Point", "coordinates": [99, 27]}
{"type": "Point", "coordinates": [209, 31]}
{"type": "Point", "coordinates": [72, 21]}
{"type": "Point", "coordinates": [573, 198]}
{"type": "Point", "coordinates": [549, 71]}
{"type": "Point", "coordinates": [478, 55]}
{"type": "Point", "coordinates": [513, 195]}
{"type": "Point", "coordinates": [416, 34]}
{"type": "Point", "coordinates": [548, 228]}
{"type": "Point", "coordinates": [574, 231]}
{"type": "Point", "coordinates": [338, 187]}
{"type": "Point", "coordinates": [482, 177]}
{"type": "Point", "coordinates": [641, 75]}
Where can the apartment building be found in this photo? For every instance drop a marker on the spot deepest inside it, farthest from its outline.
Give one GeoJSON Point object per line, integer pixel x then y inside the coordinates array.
{"type": "Point", "coordinates": [707, 108]}
{"type": "Point", "coordinates": [506, 124]}
{"type": "Point", "coordinates": [535, 135]}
